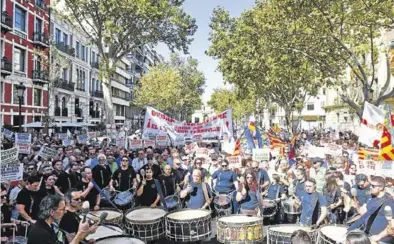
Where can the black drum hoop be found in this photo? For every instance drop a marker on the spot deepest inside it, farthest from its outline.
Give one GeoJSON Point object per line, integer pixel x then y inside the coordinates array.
{"type": "Point", "coordinates": [118, 236]}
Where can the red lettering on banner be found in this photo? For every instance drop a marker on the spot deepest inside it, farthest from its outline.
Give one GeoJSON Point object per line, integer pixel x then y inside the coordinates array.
{"type": "Point", "coordinates": [162, 116]}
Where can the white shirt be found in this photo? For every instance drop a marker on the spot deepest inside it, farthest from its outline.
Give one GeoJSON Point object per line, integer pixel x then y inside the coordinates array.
{"type": "Point", "coordinates": [137, 163]}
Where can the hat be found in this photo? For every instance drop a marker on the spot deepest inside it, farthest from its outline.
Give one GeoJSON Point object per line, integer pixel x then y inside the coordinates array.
{"type": "Point", "coordinates": [317, 160]}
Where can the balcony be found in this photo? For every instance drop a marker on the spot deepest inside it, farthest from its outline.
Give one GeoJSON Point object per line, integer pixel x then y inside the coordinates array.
{"type": "Point", "coordinates": [121, 97]}
{"type": "Point", "coordinates": [78, 112]}
{"type": "Point", "coordinates": [95, 65]}
{"type": "Point", "coordinates": [63, 84]}
{"type": "Point", "coordinates": [94, 114]}
{"type": "Point", "coordinates": [41, 4]}
{"type": "Point", "coordinates": [61, 112]}
{"type": "Point", "coordinates": [6, 67]}
{"type": "Point", "coordinates": [6, 22]}
{"type": "Point", "coordinates": [40, 39]}
{"type": "Point", "coordinates": [40, 77]}
{"type": "Point", "coordinates": [81, 89]}
{"type": "Point", "coordinates": [65, 49]}
{"type": "Point", "coordinates": [98, 94]}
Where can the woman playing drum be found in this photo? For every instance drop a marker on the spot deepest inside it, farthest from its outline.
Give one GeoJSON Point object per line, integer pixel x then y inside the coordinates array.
{"type": "Point", "coordinates": [248, 195]}
{"type": "Point", "coordinates": [198, 194]}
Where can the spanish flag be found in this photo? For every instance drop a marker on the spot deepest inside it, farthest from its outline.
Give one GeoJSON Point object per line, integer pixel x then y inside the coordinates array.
{"type": "Point", "coordinates": [364, 153]}
{"type": "Point", "coordinates": [386, 152]}
{"type": "Point", "coordinates": [275, 142]}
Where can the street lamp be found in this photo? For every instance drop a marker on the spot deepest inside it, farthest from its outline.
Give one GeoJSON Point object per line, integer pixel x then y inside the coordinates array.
{"type": "Point", "coordinates": [20, 92]}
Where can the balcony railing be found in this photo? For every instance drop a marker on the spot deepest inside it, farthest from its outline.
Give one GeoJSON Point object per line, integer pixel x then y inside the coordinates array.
{"type": "Point", "coordinates": [6, 22]}
{"type": "Point", "coordinates": [98, 94]}
{"type": "Point", "coordinates": [6, 66]}
{"type": "Point", "coordinates": [41, 39]}
{"type": "Point", "coordinates": [41, 76]}
{"type": "Point", "coordinates": [124, 97]}
{"type": "Point", "coordinates": [61, 83]}
{"type": "Point", "coordinates": [65, 48]}
{"type": "Point", "coordinates": [61, 112]}
{"type": "Point", "coordinates": [82, 89]}
{"type": "Point", "coordinates": [95, 65]}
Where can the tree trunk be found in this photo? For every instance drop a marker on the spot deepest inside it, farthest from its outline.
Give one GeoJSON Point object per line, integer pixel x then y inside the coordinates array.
{"type": "Point", "coordinates": [109, 106]}
{"type": "Point", "coordinates": [288, 112]}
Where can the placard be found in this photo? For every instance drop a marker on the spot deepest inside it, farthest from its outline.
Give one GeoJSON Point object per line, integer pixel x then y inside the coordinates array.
{"type": "Point", "coordinates": [261, 154]}
{"type": "Point", "coordinates": [149, 143]}
{"type": "Point", "coordinates": [120, 142]}
{"type": "Point", "coordinates": [47, 152]}
{"type": "Point", "coordinates": [135, 144]}
{"type": "Point", "coordinates": [10, 155]}
{"type": "Point", "coordinates": [82, 139]}
{"type": "Point", "coordinates": [234, 161]}
{"type": "Point", "coordinates": [7, 133]}
{"type": "Point", "coordinates": [68, 142]}
{"type": "Point", "coordinates": [11, 168]}
{"type": "Point", "coordinates": [92, 134]}
{"type": "Point", "coordinates": [62, 136]}
{"type": "Point", "coordinates": [23, 142]}
{"type": "Point", "coordinates": [202, 152]}
{"type": "Point", "coordinates": [161, 141]}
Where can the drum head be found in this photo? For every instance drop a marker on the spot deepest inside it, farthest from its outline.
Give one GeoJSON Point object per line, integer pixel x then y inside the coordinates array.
{"type": "Point", "coordinates": [336, 233]}
{"type": "Point", "coordinates": [104, 231]}
{"type": "Point", "coordinates": [145, 214]}
{"type": "Point", "coordinates": [119, 240]}
{"type": "Point", "coordinates": [172, 201]}
{"type": "Point", "coordinates": [288, 229]}
{"type": "Point", "coordinates": [112, 215]}
{"type": "Point", "coordinates": [268, 203]}
{"type": "Point", "coordinates": [240, 219]}
{"type": "Point", "coordinates": [188, 214]}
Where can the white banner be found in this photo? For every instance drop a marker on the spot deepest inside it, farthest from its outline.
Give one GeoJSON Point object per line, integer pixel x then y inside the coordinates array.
{"type": "Point", "coordinates": [10, 155]}
{"type": "Point", "coordinates": [260, 154]}
{"type": "Point", "coordinates": [157, 123]}
{"type": "Point", "coordinates": [23, 142]}
{"type": "Point", "coordinates": [135, 144]}
{"type": "Point", "coordinates": [149, 143]}
{"type": "Point", "coordinates": [11, 168]}
{"type": "Point", "coordinates": [7, 133]}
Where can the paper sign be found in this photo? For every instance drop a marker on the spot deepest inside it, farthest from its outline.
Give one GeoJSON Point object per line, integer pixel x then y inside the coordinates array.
{"type": "Point", "coordinates": [261, 154]}
{"type": "Point", "coordinates": [23, 142]}
{"type": "Point", "coordinates": [11, 168]}
{"type": "Point", "coordinates": [62, 136]}
{"type": "Point", "coordinates": [149, 143]}
{"type": "Point", "coordinates": [135, 144]}
{"type": "Point", "coordinates": [82, 139]}
{"type": "Point", "coordinates": [202, 153]}
{"type": "Point", "coordinates": [92, 134]}
{"type": "Point", "coordinates": [234, 161]}
{"type": "Point", "coordinates": [7, 133]}
{"type": "Point", "coordinates": [68, 142]}
{"type": "Point", "coordinates": [161, 141]}
{"type": "Point", "coordinates": [120, 142]}
{"type": "Point", "coordinates": [10, 155]}
{"type": "Point", "coordinates": [47, 152]}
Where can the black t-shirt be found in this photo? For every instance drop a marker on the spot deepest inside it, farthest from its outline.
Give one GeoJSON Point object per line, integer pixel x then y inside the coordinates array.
{"type": "Point", "coordinates": [64, 181]}
{"type": "Point", "coordinates": [6, 218]}
{"type": "Point", "coordinates": [70, 222]}
{"type": "Point", "coordinates": [92, 195]}
{"type": "Point", "coordinates": [179, 174]}
{"type": "Point", "coordinates": [124, 178]}
{"type": "Point", "coordinates": [42, 233]}
{"type": "Point", "coordinates": [167, 184]}
{"type": "Point", "coordinates": [155, 169]}
{"type": "Point", "coordinates": [43, 192]}
{"type": "Point", "coordinates": [31, 200]}
{"type": "Point", "coordinates": [149, 194]}
{"type": "Point", "coordinates": [101, 175]}
{"type": "Point", "coordinates": [76, 178]}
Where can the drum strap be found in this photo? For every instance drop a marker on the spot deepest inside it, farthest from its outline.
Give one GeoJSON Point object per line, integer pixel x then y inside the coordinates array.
{"type": "Point", "coordinates": [205, 191]}
{"type": "Point", "coordinates": [277, 191]}
{"type": "Point", "coordinates": [160, 192]}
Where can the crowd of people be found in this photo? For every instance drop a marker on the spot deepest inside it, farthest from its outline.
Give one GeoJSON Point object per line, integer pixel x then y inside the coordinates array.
{"type": "Point", "coordinates": [309, 191]}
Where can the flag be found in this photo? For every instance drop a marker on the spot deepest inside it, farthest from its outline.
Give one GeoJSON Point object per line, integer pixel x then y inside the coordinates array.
{"type": "Point", "coordinates": [371, 125]}
{"type": "Point", "coordinates": [237, 148]}
{"type": "Point", "coordinates": [249, 138]}
{"type": "Point", "coordinates": [252, 128]}
{"type": "Point", "coordinates": [386, 152]}
{"type": "Point", "coordinates": [276, 129]}
{"type": "Point", "coordinates": [364, 153]}
{"type": "Point", "coordinates": [275, 142]}
{"type": "Point", "coordinates": [259, 138]}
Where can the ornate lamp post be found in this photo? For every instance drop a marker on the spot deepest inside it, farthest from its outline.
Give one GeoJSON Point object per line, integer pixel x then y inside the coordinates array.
{"type": "Point", "coordinates": [20, 92]}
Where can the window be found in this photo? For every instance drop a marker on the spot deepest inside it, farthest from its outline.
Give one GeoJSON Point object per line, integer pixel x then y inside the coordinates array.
{"type": "Point", "coordinates": [20, 19]}
{"type": "Point", "coordinates": [15, 95]}
{"type": "Point", "coordinates": [196, 120]}
{"type": "Point", "coordinates": [77, 76]}
{"type": "Point", "coordinates": [93, 88]}
{"type": "Point", "coordinates": [1, 91]}
{"type": "Point", "coordinates": [310, 107]}
{"type": "Point", "coordinates": [19, 59]}
{"type": "Point", "coordinates": [93, 57]}
{"type": "Point", "coordinates": [65, 39]}
{"type": "Point", "coordinates": [37, 97]}
{"type": "Point", "coordinates": [56, 101]}
{"type": "Point", "coordinates": [83, 52]}
{"type": "Point", "coordinates": [63, 103]}
{"type": "Point", "coordinates": [38, 27]}
{"type": "Point", "coordinates": [98, 85]}
{"type": "Point", "coordinates": [37, 62]}
{"type": "Point", "coordinates": [65, 74]}
{"type": "Point", "coordinates": [57, 36]}
{"type": "Point", "coordinates": [77, 49]}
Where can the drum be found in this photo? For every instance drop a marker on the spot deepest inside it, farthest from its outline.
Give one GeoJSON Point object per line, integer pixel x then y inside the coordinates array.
{"type": "Point", "coordinates": [124, 198]}
{"type": "Point", "coordinates": [290, 206]}
{"type": "Point", "coordinates": [222, 204]}
{"type": "Point", "coordinates": [240, 229]}
{"type": "Point", "coordinates": [269, 208]}
{"type": "Point", "coordinates": [332, 234]}
{"type": "Point", "coordinates": [17, 240]}
{"type": "Point", "coordinates": [114, 217]}
{"type": "Point", "coordinates": [106, 196]}
{"type": "Point", "coordinates": [145, 223]}
{"type": "Point", "coordinates": [119, 240]}
{"type": "Point", "coordinates": [188, 225]}
{"type": "Point", "coordinates": [282, 233]}
{"type": "Point", "coordinates": [173, 202]}
{"type": "Point", "coordinates": [105, 231]}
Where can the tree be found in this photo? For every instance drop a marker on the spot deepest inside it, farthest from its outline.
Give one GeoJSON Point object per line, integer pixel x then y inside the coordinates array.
{"type": "Point", "coordinates": [175, 87]}
{"type": "Point", "coordinates": [251, 59]}
{"type": "Point", "coordinates": [117, 28]}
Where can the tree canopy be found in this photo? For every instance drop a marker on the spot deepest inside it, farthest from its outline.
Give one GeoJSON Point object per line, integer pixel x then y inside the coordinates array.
{"type": "Point", "coordinates": [174, 87]}
{"type": "Point", "coordinates": [117, 28]}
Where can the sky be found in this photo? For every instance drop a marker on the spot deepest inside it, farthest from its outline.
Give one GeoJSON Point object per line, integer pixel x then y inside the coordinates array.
{"type": "Point", "coordinates": [202, 10]}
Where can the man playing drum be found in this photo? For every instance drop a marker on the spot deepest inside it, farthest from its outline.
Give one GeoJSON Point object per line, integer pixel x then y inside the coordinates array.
{"type": "Point", "coordinates": [198, 194]}
{"type": "Point", "coordinates": [312, 202]}
{"type": "Point", "coordinates": [124, 177]}
{"type": "Point", "coordinates": [147, 192]}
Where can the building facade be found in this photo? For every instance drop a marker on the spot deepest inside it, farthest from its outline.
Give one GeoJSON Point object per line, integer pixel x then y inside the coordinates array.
{"type": "Point", "coordinates": [24, 51]}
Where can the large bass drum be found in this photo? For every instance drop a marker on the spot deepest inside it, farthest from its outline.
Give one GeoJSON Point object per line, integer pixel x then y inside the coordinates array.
{"type": "Point", "coordinates": [332, 234]}
{"type": "Point", "coordinates": [146, 223]}
{"type": "Point", "coordinates": [114, 217]}
{"type": "Point", "coordinates": [188, 225]}
{"type": "Point", "coordinates": [280, 234]}
{"type": "Point", "coordinates": [104, 231]}
{"type": "Point", "coordinates": [119, 240]}
{"type": "Point", "coordinates": [236, 229]}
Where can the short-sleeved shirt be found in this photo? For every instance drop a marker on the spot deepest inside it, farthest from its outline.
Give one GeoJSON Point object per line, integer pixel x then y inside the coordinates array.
{"type": "Point", "coordinates": [333, 196]}
{"type": "Point", "coordinates": [250, 202]}
{"type": "Point", "coordinates": [380, 222]}
{"type": "Point", "coordinates": [308, 210]}
{"type": "Point", "coordinates": [124, 178]}
{"type": "Point", "coordinates": [42, 233]}
{"type": "Point", "coordinates": [167, 184]}
{"type": "Point", "coordinates": [64, 181]}
{"type": "Point", "coordinates": [224, 180]}
{"type": "Point", "coordinates": [262, 176]}
{"type": "Point", "coordinates": [92, 195]}
{"type": "Point", "coordinates": [196, 198]}
{"type": "Point", "coordinates": [31, 201]}
{"type": "Point", "coordinates": [70, 222]}
{"type": "Point", "coordinates": [149, 194]}
{"type": "Point", "coordinates": [102, 175]}
{"type": "Point", "coordinates": [363, 195]}
{"type": "Point", "coordinates": [275, 191]}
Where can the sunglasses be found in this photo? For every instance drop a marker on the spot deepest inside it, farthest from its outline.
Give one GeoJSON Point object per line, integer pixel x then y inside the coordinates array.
{"type": "Point", "coordinates": [374, 186]}
{"type": "Point", "coordinates": [224, 165]}
{"type": "Point", "coordinates": [79, 199]}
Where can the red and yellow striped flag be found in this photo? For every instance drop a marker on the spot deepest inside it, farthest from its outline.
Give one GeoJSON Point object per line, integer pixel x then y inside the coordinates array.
{"type": "Point", "coordinates": [237, 148]}
{"type": "Point", "coordinates": [364, 153]}
{"type": "Point", "coordinates": [275, 142]}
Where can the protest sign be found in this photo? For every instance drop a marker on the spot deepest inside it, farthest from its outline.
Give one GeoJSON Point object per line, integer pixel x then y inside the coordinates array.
{"type": "Point", "coordinates": [135, 144]}
{"type": "Point", "coordinates": [62, 136]}
{"type": "Point", "coordinates": [234, 161]}
{"type": "Point", "coordinates": [228, 147]}
{"type": "Point", "coordinates": [371, 167]}
{"type": "Point", "coordinates": [149, 143]}
{"type": "Point", "coordinates": [179, 141]}
{"type": "Point", "coordinates": [11, 168]}
{"type": "Point", "coordinates": [7, 133]}
{"type": "Point", "coordinates": [161, 141]}
{"type": "Point", "coordinates": [261, 154]}
{"type": "Point", "coordinates": [82, 139]}
{"type": "Point", "coordinates": [202, 152]}
{"type": "Point", "coordinates": [9, 155]}
{"type": "Point", "coordinates": [68, 142]}
{"type": "Point", "coordinates": [120, 141]}
{"type": "Point", "coordinates": [215, 128]}
{"type": "Point", "coordinates": [92, 134]}
{"type": "Point", "coordinates": [47, 152]}
{"type": "Point", "coordinates": [23, 142]}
